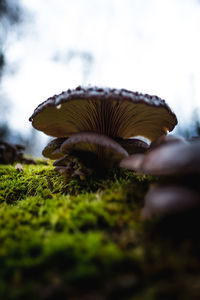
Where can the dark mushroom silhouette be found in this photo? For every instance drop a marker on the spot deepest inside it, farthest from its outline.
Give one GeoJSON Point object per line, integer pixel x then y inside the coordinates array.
{"type": "Point", "coordinates": [133, 145]}
{"type": "Point", "coordinates": [84, 151]}
{"type": "Point", "coordinates": [164, 140]}
{"type": "Point", "coordinates": [173, 156]}
{"type": "Point", "coordinates": [116, 114]}
{"type": "Point", "coordinates": [11, 153]}
{"type": "Point", "coordinates": [107, 150]}
{"type": "Point", "coordinates": [177, 163]}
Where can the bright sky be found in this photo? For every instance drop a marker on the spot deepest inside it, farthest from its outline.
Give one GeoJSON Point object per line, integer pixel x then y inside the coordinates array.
{"type": "Point", "coordinates": [150, 46]}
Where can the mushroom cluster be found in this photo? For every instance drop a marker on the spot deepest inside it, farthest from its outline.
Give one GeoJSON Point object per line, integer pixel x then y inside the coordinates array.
{"type": "Point", "coordinates": [177, 163]}
{"type": "Point", "coordinates": [95, 128]}
{"type": "Point", "coordinates": [11, 153]}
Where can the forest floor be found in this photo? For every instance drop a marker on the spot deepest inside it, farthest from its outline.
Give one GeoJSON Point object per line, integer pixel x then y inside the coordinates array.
{"type": "Point", "coordinates": [86, 239]}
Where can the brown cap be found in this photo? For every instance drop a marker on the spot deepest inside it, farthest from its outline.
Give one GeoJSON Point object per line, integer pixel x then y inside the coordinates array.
{"type": "Point", "coordinates": [169, 159]}
{"type": "Point", "coordinates": [52, 149]}
{"type": "Point", "coordinates": [166, 140]}
{"type": "Point", "coordinates": [133, 145]}
{"type": "Point", "coordinates": [113, 112]}
{"type": "Point", "coordinates": [106, 150]}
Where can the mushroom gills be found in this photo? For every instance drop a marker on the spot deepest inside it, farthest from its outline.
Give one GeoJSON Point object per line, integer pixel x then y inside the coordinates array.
{"type": "Point", "coordinates": [113, 112]}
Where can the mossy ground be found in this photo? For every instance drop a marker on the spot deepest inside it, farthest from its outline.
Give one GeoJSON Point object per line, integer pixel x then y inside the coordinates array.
{"type": "Point", "coordinates": [86, 240]}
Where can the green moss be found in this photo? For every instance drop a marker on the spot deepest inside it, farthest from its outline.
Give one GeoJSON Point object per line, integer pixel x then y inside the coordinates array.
{"type": "Point", "coordinates": [70, 239]}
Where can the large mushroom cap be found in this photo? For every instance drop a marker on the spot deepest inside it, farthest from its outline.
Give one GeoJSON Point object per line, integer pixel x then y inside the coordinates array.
{"type": "Point", "coordinates": [113, 112]}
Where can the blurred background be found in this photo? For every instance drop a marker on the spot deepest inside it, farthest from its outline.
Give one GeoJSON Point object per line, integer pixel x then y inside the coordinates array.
{"type": "Point", "coordinates": [46, 47]}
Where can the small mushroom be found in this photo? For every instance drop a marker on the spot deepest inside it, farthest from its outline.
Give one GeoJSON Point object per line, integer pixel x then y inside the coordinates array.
{"type": "Point", "coordinates": [72, 167]}
{"type": "Point", "coordinates": [133, 145]}
{"type": "Point", "coordinates": [85, 151]}
{"type": "Point", "coordinates": [177, 157]}
{"type": "Point", "coordinates": [11, 153]}
{"type": "Point", "coordinates": [177, 162]}
{"type": "Point", "coordinates": [106, 151]}
{"type": "Point", "coordinates": [52, 149]}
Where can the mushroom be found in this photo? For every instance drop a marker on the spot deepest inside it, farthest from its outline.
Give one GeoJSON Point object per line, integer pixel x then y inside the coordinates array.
{"type": "Point", "coordinates": [11, 153]}
{"type": "Point", "coordinates": [170, 157]}
{"type": "Point", "coordinates": [133, 145]}
{"type": "Point", "coordinates": [177, 162]}
{"type": "Point", "coordinates": [106, 151]}
{"type": "Point", "coordinates": [164, 140]}
{"type": "Point", "coordinates": [85, 151]}
{"type": "Point", "coordinates": [113, 112]}
{"type": "Point", "coordinates": [105, 122]}
{"type": "Point", "coordinates": [52, 150]}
